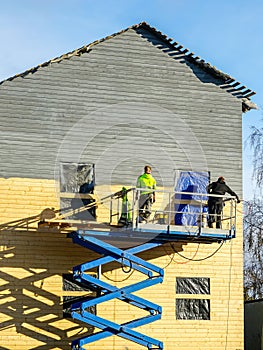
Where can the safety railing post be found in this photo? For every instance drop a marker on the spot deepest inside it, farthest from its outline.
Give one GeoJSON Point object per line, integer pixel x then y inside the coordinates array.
{"type": "Point", "coordinates": [200, 216]}
{"type": "Point", "coordinates": [231, 215]}
{"type": "Point", "coordinates": [111, 211]}
{"type": "Point", "coordinates": [235, 214]}
{"type": "Point", "coordinates": [170, 210]}
{"type": "Point", "coordinates": [118, 209]}
{"type": "Point", "coordinates": [133, 206]}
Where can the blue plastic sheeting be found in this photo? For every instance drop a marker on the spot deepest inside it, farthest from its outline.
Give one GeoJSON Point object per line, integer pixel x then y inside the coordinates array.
{"type": "Point", "coordinates": [192, 213]}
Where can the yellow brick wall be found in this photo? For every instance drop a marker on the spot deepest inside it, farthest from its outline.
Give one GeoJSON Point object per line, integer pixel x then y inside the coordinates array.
{"type": "Point", "coordinates": [32, 264]}
{"type": "Point", "coordinates": [22, 198]}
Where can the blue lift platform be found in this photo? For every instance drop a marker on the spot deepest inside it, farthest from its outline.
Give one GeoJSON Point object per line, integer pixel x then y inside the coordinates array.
{"type": "Point", "coordinates": [121, 244]}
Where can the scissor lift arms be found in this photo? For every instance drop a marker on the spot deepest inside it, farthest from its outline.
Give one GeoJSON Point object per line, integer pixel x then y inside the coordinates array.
{"type": "Point", "coordinates": [108, 292]}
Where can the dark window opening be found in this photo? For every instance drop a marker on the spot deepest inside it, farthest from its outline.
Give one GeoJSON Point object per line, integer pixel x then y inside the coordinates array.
{"type": "Point", "coordinates": [192, 309]}
{"type": "Point", "coordinates": [77, 182]}
{"type": "Point", "coordinates": [69, 284]}
{"type": "Point", "coordinates": [69, 300]}
{"type": "Point", "coordinates": [193, 285]}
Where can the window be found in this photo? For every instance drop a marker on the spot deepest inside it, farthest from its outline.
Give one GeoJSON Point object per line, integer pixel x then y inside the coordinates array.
{"type": "Point", "coordinates": [70, 285]}
{"type": "Point", "coordinates": [189, 205]}
{"type": "Point", "coordinates": [193, 308]}
{"type": "Point", "coordinates": [77, 183]}
{"type": "Point", "coordinates": [77, 178]}
{"type": "Point", "coordinates": [193, 285]}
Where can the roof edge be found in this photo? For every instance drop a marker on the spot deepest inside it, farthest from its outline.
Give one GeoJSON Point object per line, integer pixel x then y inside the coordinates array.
{"type": "Point", "coordinates": [230, 84]}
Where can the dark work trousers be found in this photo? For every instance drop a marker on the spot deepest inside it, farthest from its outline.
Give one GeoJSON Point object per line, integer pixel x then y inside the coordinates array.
{"type": "Point", "coordinates": [145, 206]}
{"type": "Point", "coordinates": [215, 208]}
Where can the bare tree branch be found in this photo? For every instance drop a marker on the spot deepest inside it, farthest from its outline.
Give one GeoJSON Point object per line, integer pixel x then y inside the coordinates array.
{"type": "Point", "coordinates": [253, 250]}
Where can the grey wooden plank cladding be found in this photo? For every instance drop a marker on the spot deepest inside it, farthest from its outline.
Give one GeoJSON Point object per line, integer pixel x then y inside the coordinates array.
{"type": "Point", "coordinates": [124, 103]}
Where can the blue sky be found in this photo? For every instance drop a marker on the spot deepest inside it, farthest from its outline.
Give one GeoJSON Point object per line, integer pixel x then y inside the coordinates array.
{"type": "Point", "coordinates": [228, 34]}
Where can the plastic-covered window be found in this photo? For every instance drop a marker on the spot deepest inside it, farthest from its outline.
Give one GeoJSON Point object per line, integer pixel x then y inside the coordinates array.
{"type": "Point", "coordinates": [192, 309]}
{"type": "Point", "coordinates": [77, 178]}
{"type": "Point", "coordinates": [193, 285]}
{"type": "Point", "coordinates": [77, 183]}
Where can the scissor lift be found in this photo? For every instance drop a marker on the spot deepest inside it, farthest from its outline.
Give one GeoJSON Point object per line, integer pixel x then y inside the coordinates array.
{"type": "Point", "coordinates": [108, 292]}
{"type": "Point", "coordinates": [104, 240]}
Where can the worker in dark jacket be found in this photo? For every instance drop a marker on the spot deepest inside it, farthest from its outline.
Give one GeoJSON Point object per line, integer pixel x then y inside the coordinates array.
{"type": "Point", "coordinates": [215, 204]}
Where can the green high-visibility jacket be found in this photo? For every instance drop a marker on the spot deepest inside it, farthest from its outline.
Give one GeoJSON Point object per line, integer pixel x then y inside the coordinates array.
{"type": "Point", "coordinates": [146, 181]}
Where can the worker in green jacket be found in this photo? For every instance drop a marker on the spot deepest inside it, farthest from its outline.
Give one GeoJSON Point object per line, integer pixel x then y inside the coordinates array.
{"type": "Point", "coordinates": [146, 197]}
